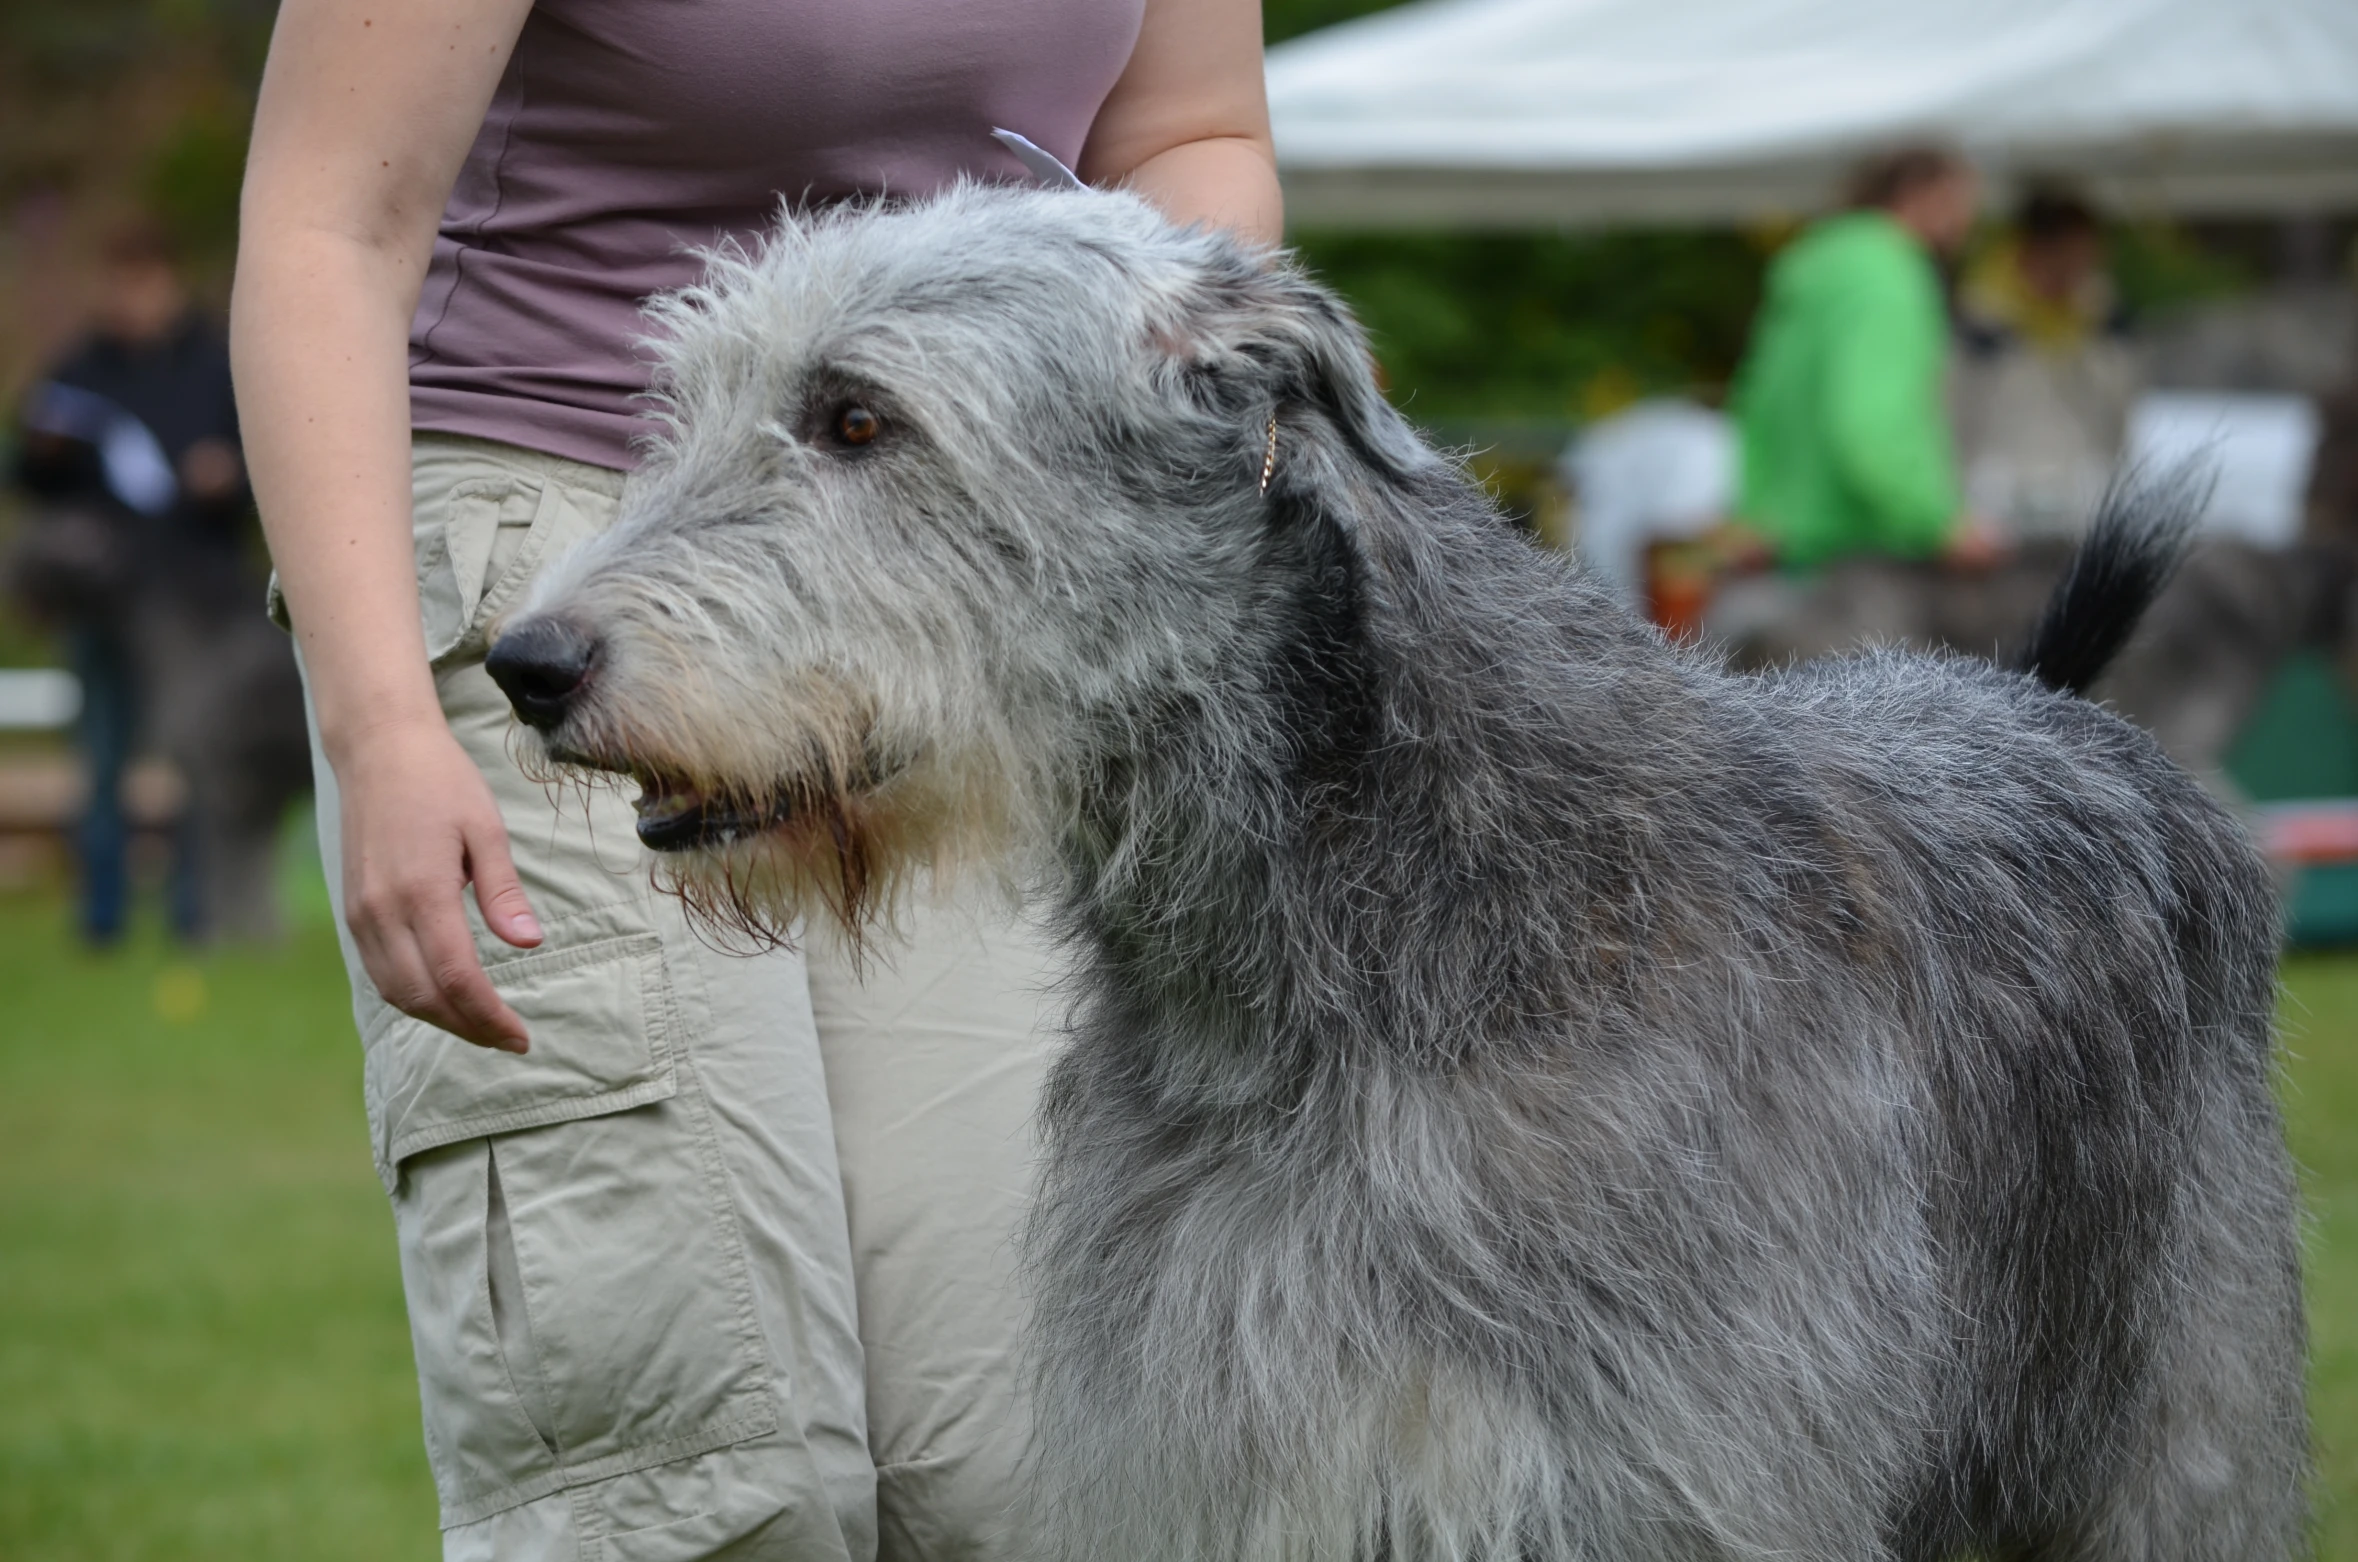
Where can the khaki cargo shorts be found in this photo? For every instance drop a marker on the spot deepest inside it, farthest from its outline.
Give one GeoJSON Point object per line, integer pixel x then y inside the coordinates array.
{"type": "Point", "coordinates": [723, 1266]}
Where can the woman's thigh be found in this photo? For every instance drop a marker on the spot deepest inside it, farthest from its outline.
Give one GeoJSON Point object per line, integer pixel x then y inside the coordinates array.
{"type": "Point", "coordinates": [625, 1254]}
{"type": "Point", "coordinates": [935, 1052]}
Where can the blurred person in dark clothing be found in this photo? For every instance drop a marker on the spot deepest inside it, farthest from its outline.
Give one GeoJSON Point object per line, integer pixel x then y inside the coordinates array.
{"type": "Point", "coordinates": [2045, 382]}
{"type": "Point", "coordinates": [2332, 516]}
{"type": "Point", "coordinates": [1844, 429]}
{"type": "Point", "coordinates": [2329, 527]}
{"type": "Point", "coordinates": [137, 553]}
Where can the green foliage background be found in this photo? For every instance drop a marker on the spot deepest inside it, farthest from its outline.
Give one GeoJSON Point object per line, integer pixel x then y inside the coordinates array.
{"type": "Point", "coordinates": [1480, 326]}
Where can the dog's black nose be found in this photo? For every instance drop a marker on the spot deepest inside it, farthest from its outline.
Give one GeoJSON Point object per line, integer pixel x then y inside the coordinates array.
{"type": "Point", "coordinates": [540, 665]}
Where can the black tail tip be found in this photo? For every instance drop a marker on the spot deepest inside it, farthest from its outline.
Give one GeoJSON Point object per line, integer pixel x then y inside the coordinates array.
{"type": "Point", "coordinates": [2144, 529]}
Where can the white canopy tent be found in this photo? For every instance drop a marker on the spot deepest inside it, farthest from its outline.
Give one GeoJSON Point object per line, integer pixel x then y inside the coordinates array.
{"type": "Point", "coordinates": [1543, 113]}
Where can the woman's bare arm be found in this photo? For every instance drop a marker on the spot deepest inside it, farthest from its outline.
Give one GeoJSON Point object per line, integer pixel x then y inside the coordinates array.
{"type": "Point", "coordinates": [366, 112]}
{"type": "Point", "coordinates": [1187, 126]}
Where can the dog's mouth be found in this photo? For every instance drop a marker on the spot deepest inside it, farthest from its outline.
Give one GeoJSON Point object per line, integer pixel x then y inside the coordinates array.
{"type": "Point", "coordinates": [676, 816]}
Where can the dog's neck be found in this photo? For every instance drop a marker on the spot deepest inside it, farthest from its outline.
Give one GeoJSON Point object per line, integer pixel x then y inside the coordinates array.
{"type": "Point", "coordinates": [1232, 890]}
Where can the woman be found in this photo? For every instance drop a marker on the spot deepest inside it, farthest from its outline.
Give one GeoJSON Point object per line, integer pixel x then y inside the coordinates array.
{"type": "Point", "coordinates": [631, 1247]}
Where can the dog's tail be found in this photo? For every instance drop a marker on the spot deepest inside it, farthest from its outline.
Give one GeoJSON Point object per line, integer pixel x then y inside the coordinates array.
{"type": "Point", "coordinates": [2143, 532]}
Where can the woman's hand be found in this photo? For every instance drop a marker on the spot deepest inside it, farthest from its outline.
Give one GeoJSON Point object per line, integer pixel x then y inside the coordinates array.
{"type": "Point", "coordinates": [419, 823]}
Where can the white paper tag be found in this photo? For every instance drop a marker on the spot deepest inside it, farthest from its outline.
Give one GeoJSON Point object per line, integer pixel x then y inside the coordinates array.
{"type": "Point", "coordinates": [1039, 161]}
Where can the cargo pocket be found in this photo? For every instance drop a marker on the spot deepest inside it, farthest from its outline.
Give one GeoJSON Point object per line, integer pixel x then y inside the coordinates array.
{"type": "Point", "coordinates": [578, 1291]}
{"type": "Point", "coordinates": [476, 551]}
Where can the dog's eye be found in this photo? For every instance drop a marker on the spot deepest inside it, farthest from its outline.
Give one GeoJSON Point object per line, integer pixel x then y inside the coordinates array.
{"type": "Point", "coordinates": [856, 425]}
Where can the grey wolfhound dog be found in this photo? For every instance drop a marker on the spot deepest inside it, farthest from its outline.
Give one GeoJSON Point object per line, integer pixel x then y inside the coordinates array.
{"type": "Point", "coordinates": [1531, 1095]}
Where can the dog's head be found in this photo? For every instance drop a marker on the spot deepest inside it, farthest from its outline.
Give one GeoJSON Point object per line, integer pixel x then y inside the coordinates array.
{"type": "Point", "coordinates": [946, 495]}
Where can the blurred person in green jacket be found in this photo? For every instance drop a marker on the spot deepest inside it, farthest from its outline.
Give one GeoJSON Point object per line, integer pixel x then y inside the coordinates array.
{"type": "Point", "coordinates": [1845, 438]}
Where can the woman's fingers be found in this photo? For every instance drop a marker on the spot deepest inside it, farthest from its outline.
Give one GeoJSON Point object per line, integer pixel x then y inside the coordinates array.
{"type": "Point", "coordinates": [423, 962]}
{"type": "Point", "coordinates": [467, 1005]}
{"type": "Point", "coordinates": [498, 892]}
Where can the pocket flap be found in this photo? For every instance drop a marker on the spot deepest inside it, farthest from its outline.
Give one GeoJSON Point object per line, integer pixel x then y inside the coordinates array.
{"type": "Point", "coordinates": [602, 1027]}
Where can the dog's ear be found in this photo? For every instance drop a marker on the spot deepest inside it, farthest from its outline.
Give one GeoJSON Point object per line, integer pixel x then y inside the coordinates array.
{"type": "Point", "coordinates": [1255, 334]}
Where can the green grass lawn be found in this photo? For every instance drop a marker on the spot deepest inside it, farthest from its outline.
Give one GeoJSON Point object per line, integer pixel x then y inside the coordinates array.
{"type": "Point", "coordinates": [2321, 1099]}
{"type": "Point", "coordinates": [202, 1349]}
{"type": "Point", "coordinates": [202, 1353]}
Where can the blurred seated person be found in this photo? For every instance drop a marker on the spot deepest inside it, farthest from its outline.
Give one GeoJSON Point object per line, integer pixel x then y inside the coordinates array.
{"type": "Point", "coordinates": [129, 452]}
{"type": "Point", "coordinates": [1844, 435]}
{"type": "Point", "coordinates": [2044, 382]}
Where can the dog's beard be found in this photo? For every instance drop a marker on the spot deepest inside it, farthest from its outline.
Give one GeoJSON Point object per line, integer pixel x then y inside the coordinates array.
{"type": "Point", "coordinates": [819, 850]}
{"type": "Point", "coordinates": [752, 864]}
{"type": "Point", "coordinates": [854, 856]}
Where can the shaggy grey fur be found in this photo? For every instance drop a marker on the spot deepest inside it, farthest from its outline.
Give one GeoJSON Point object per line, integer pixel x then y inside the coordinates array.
{"type": "Point", "coordinates": [1531, 1094]}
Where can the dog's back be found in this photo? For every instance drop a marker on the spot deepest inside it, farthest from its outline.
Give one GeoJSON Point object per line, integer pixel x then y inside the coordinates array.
{"type": "Point", "coordinates": [2084, 958]}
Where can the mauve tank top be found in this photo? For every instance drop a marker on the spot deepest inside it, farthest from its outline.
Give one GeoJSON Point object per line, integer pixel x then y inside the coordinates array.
{"type": "Point", "coordinates": [624, 132]}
